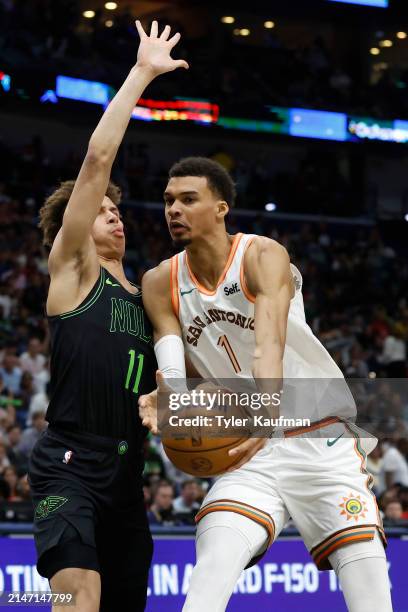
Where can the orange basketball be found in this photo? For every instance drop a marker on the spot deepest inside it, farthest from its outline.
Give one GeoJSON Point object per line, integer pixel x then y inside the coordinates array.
{"type": "Point", "coordinates": [197, 445]}
{"type": "Point", "coordinates": [202, 457]}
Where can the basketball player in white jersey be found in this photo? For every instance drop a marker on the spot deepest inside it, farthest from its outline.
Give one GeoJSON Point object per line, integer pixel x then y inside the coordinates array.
{"type": "Point", "coordinates": [233, 306]}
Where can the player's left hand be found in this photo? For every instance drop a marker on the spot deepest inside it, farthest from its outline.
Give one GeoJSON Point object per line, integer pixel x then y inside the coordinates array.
{"type": "Point", "coordinates": [148, 404]}
{"type": "Point", "coordinates": [154, 50]}
{"type": "Point", "coordinates": [247, 449]}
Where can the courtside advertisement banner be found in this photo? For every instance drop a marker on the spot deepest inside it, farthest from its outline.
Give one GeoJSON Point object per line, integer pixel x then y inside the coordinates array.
{"type": "Point", "coordinates": [285, 579]}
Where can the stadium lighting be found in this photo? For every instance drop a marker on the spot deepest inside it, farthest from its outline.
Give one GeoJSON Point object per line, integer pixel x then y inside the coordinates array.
{"type": "Point", "coordinates": [270, 207]}
{"type": "Point", "coordinates": [386, 43]}
{"type": "Point", "coordinates": [402, 35]}
{"type": "Point", "coordinates": [245, 32]}
{"type": "Point", "coordinates": [374, 51]}
{"type": "Point", "coordinates": [228, 19]}
{"type": "Point", "coordinates": [269, 25]}
{"type": "Point", "coordinates": [88, 14]}
{"type": "Point", "coordinates": [111, 6]}
{"type": "Point", "coordinates": [109, 23]}
{"type": "Point", "coordinates": [406, 217]}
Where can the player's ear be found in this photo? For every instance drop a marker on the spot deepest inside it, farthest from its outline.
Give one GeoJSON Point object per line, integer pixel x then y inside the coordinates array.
{"type": "Point", "coordinates": [222, 208]}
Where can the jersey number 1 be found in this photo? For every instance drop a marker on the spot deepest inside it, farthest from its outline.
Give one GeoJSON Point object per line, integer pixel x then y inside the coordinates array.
{"type": "Point", "coordinates": [224, 342]}
{"type": "Point", "coordinates": [139, 370]}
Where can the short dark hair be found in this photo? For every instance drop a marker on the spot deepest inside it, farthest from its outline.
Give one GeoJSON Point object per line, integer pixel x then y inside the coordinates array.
{"type": "Point", "coordinates": [187, 482]}
{"type": "Point", "coordinates": [52, 213]}
{"type": "Point", "coordinates": [219, 181]}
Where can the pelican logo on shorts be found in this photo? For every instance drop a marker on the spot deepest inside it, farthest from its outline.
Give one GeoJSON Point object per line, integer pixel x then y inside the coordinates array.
{"type": "Point", "coordinates": [48, 505]}
{"type": "Point", "coordinates": [122, 447]}
{"type": "Point", "coordinates": [353, 507]}
{"type": "Point", "coordinates": [67, 457]}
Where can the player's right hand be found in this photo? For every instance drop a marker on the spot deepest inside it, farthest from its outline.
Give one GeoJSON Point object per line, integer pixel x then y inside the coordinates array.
{"type": "Point", "coordinates": [154, 50]}
{"type": "Point", "coordinates": [148, 404]}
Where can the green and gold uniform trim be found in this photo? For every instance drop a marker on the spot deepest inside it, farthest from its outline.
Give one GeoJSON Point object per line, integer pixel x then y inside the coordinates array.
{"type": "Point", "coordinates": [91, 301]}
{"type": "Point", "coordinates": [359, 533]}
{"type": "Point", "coordinates": [49, 504]}
{"type": "Point", "coordinates": [229, 505]}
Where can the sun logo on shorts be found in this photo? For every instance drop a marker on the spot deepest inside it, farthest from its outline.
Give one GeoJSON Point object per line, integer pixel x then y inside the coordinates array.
{"type": "Point", "coordinates": [353, 507]}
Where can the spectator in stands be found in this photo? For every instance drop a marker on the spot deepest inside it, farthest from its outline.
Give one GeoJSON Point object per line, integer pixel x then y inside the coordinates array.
{"type": "Point", "coordinates": [11, 373]}
{"type": "Point", "coordinates": [32, 434]}
{"type": "Point", "coordinates": [4, 460]}
{"type": "Point", "coordinates": [394, 353]}
{"type": "Point", "coordinates": [393, 511]}
{"type": "Point", "coordinates": [13, 438]}
{"type": "Point", "coordinates": [39, 403]}
{"type": "Point", "coordinates": [154, 467]}
{"type": "Point", "coordinates": [33, 360]}
{"type": "Point", "coordinates": [187, 503]}
{"type": "Point", "coordinates": [395, 466]}
{"type": "Point", "coordinates": [374, 467]}
{"type": "Point", "coordinates": [161, 511]}
{"type": "Point", "coordinates": [23, 489]}
{"type": "Point", "coordinates": [11, 477]}
{"type": "Point", "coordinates": [27, 391]}
{"type": "Point", "coordinates": [5, 394]}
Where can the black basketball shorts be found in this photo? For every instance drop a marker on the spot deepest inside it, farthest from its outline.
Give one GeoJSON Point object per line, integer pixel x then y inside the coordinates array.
{"type": "Point", "coordinates": [89, 513]}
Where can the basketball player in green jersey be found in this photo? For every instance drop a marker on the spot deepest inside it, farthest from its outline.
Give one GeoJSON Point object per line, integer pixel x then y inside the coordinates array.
{"type": "Point", "coordinates": [90, 526]}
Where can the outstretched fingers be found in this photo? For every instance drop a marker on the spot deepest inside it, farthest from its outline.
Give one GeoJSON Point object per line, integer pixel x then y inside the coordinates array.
{"type": "Point", "coordinates": [174, 39]}
{"type": "Point", "coordinates": [166, 33]}
{"type": "Point", "coordinates": [154, 30]}
{"type": "Point", "coordinates": [140, 29]}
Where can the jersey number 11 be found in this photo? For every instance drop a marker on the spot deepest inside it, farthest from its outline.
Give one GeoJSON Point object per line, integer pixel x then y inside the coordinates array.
{"type": "Point", "coordinates": [139, 370]}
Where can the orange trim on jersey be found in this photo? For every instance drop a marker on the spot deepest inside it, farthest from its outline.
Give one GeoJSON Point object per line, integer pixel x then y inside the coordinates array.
{"type": "Point", "coordinates": [174, 292]}
{"type": "Point", "coordinates": [231, 255]}
{"type": "Point", "coordinates": [317, 425]}
{"type": "Point", "coordinates": [244, 286]}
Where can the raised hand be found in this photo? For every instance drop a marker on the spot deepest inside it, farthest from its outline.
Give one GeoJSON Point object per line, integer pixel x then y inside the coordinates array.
{"type": "Point", "coordinates": [154, 50]}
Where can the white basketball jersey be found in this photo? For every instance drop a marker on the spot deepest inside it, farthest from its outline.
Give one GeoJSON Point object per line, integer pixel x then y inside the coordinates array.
{"type": "Point", "coordinates": [218, 327]}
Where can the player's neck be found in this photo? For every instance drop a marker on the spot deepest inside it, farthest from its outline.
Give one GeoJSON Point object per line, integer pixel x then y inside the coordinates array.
{"type": "Point", "coordinates": [115, 269]}
{"type": "Point", "coordinates": [207, 258]}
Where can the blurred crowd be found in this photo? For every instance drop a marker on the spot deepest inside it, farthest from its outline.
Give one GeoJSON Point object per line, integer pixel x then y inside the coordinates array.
{"type": "Point", "coordinates": [263, 69]}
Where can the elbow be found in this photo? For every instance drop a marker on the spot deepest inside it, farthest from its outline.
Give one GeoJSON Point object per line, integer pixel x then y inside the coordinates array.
{"type": "Point", "coordinates": [97, 156]}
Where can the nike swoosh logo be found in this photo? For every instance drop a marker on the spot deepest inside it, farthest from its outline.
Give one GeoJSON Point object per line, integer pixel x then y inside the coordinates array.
{"type": "Point", "coordinates": [186, 292]}
{"type": "Point", "coordinates": [109, 282]}
{"type": "Point", "coordinates": [331, 442]}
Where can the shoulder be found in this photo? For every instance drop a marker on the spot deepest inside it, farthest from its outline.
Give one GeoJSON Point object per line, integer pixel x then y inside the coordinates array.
{"type": "Point", "coordinates": [157, 278]}
{"type": "Point", "coordinates": [262, 250]}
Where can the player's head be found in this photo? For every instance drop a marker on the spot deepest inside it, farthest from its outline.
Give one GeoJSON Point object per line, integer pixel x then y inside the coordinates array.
{"type": "Point", "coordinates": [197, 198]}
{"type": "Point", "coordinates": [107, 230]}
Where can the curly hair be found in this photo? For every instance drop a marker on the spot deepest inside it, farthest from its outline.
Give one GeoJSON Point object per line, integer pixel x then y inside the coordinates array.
{"type": "Point", "coordinates": [52, 212]}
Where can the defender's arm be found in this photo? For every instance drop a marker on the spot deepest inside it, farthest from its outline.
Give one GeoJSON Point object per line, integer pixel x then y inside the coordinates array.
{"type": "Point", "coordinates": [153, 59]}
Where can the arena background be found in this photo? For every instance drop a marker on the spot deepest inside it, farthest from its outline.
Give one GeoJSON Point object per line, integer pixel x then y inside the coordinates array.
{"type": "Point", "coordinates": [306, 104]}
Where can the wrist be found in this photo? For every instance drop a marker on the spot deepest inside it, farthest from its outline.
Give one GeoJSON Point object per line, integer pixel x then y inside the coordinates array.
{"type": "Point", "coordinates": [144, 71]}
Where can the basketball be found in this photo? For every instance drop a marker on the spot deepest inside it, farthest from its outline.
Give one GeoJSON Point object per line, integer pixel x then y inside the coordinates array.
{"type": "Point", "coordinates": [202, 456]}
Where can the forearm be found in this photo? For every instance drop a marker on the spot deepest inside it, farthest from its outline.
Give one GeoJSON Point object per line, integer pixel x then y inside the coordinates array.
{"type": "Point", "coordinates": [109, 132]}
{"type": "Point", "coordinates": [267, 370]}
